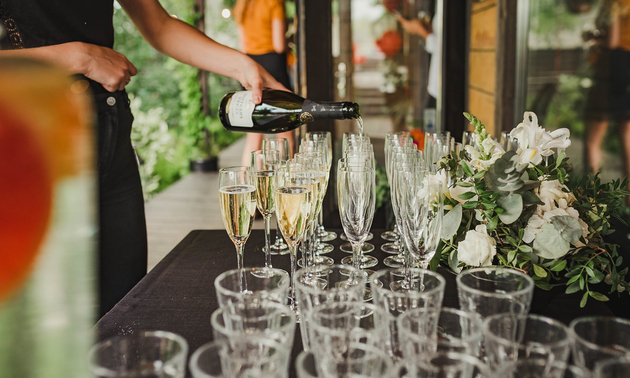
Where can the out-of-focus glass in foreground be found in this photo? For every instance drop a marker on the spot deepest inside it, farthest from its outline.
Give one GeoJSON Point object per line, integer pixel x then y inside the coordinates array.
{"type": "Point", "coordinates": [47, 222]}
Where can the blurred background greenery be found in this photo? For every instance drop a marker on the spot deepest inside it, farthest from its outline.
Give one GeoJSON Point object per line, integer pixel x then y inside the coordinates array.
{"type": "Point", "coordinates": [171, 128]}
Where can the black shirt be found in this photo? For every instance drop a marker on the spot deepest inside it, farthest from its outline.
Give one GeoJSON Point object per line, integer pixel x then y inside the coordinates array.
{"type": "Point", "coordinates": [51, 22]}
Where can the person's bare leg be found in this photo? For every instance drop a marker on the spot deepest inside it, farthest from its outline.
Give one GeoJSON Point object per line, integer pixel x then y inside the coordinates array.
{"type": "Point", "coordinates": [596, 130]}
{"type": "Point", "coordinates": [253, 142]}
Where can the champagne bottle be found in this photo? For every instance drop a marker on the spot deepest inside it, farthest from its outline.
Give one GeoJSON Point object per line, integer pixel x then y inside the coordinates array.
{"type": "Point", "coordinates": [279, 111]}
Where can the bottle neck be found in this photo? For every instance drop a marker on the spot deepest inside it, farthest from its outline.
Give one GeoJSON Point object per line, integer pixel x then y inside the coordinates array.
{"type": "Point", "coordinates": [312, 110]}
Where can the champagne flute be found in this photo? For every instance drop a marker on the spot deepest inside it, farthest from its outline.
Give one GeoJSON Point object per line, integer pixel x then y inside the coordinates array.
{"type": "Point", "coordinates": [314, 176]}
{"type": "Point", "coordinates": [356, 189]}
{"type": "Point", "coordinates": [281, 145]}
{"type": "Point", "coordinates": [392, 138]}
{"type": "Point", "coordinates": [264, 165]}
{"type": "Point", "coordinates": [326, 141]}
{"type": "Point", "coordinates": [237, 194]}
{"type": "Point", "coordinates": [293, 208]}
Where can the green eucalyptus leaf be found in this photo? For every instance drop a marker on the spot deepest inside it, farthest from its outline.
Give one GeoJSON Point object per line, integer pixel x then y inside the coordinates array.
{"type": "Point", "coordinates": [597, 277]}
{"type": "Point", "coordinates": [493, 223]}
{"type": "Point", "coordinates": [539, 271]}
{"type": "Point", "coordinates": [558, 266]}
{"type": "Point", "coordinates": [549, 244]}
{"type": "Point", "coordinates": [525, 248]}
{"type": "Point", "coordinates": [574, 279]}
{"type": "Point", "coordinates": [543, 285]}
{"type": "Point", "coordinates": [584, 299]}
{"type": "Point", "coordinates": [568, 227]}
{"type": "Point", "coordinates": [573, 288]}
{"type": "Point", "coordinates": [453, 262]}
{"type": "Point", "coordinates": [598, 296]}
{"type": "Point", "coordinates": [561, 156]}
{"type": "Point", "coordinates": [529, 198]}
{"type": "Point", "coordinates": [451, 222]}
{"type": "Point", "coordinates": [471, 204]}
{"type": "Point", "coordinates": [513, 207]}
{"type": "Point", "coordinates": [511, 256]}
{"type": "Point", "coordinates": [466, 168]}
{"type": "Point", "coordinates": [467, 195]}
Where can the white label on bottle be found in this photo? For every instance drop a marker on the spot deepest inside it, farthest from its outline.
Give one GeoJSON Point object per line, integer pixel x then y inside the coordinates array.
{"type": "Point", "coordinates": [241, 109]}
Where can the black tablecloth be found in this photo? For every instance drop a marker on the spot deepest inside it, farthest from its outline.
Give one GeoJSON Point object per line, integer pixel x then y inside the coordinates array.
{"type": "Point", "coordinates": [178, 294]}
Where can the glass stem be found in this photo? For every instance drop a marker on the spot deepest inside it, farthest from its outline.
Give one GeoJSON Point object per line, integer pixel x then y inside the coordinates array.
{"type": "Point", "coordinates": [356, 254]}
{"type": "Point", "coordinates": [311, 244]}
{"type": "Point", "coordinates": [320, 228]}
{"type": "Point", "coordinates": [292, 300]}
{"type": "Point", "coordinates": [268, 242]}
{"type": "Point", "coordinates": [239, 255]}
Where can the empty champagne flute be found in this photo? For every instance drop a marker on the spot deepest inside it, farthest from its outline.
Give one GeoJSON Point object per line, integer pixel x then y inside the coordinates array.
{"type": "Point", "coordinates": [237, 193]}
{"type": "Point", "coordinates": [393, 141]}
{"type": "Point", "coordinates": [324, 138]}
{"type": "Point", "coordinates": [314, 175]}
{"type": "Point", "coordinates": [293, 209]}
{"type": "Point", "coordinates": [279, 247]}
{"type": "Point", "coordinates": [356, 191]}
{"type": "Point", "coordinates": [422, 213]}
{"type": "Point", "coordinates": [264, 165]}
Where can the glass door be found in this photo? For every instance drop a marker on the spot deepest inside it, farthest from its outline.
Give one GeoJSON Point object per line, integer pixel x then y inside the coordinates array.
{"type": "Point", "coordinates": [577, 55]}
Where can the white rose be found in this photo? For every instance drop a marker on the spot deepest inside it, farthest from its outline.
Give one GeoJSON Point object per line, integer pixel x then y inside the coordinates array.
{"type": "Point", "coordinates": [477, 248]}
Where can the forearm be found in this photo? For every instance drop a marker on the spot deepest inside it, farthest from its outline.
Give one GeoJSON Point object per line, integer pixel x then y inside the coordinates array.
{"type": "Point", "coordinates": [66, 56]}
{"type": "Point", "coordinates": [188, 45]}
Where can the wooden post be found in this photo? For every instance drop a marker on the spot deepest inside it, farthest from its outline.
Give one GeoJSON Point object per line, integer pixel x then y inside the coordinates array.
{"type": "Point", "coordinates": [506, 66]}
{"type": "Point", "coordinates": [454, 67]}
{"type": "Point", "coordinates": [202, 76]}
{"type": "Point", "coordinates": [316, 78]}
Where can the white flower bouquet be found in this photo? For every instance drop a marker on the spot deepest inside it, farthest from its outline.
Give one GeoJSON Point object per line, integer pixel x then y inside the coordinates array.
{"type": "Point", "coordinates": [521, 209]}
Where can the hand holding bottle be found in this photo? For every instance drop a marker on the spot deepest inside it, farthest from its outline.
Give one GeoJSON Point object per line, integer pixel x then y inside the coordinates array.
{"type": "Point", "coordinates": [255, 78]}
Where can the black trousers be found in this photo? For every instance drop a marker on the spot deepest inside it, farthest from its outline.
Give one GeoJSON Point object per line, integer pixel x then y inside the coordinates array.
{"type": "Point", "coordinates": [276, 65]}
{"type": "Point", "coordinates": [122, 226]}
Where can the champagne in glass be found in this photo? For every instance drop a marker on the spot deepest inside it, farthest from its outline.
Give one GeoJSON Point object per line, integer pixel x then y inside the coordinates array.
{"type": "Point", "coordinates": [279, 247]}
{"type": "Point", "coordinates": [264, 164]}
{"type": "Point", "coordinates": [237, 195]}
{"type": "Point", "coordinates": [293, 209]}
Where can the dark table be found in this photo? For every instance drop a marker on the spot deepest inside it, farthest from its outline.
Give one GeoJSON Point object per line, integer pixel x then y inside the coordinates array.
{"type": "Point", "coordinates": [178, 294]}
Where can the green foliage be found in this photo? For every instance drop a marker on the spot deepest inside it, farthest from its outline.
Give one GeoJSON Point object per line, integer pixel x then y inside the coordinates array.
{"type": "Point", "coordinates": [561, 251]}
{"type": "Point", "coordinates": [383, 195]}
{"type": "Point", "coordinates": [156, 149]}
{"type": "Point", "coordinates": [170, 127]}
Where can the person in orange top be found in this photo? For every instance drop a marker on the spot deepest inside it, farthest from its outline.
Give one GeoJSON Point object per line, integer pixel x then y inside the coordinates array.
{"type": "Point", "coordinates": [261, 31]}
{"type": "Point", "coordinates": [609, 98]}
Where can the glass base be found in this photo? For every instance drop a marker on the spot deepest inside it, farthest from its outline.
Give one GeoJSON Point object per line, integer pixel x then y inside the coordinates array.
{"type": "Point", "coordinates": [391, 248]}
{"type": "Point", "coordinates": [327, 236]}
{"type": "Point", "coordinates": [389, 236]}
{"type": "Point", "coordinates": [370, 236]}
{"type": "Point", "coordinates": [347, 247]}
{"type": "Point", "coordinates": [394, 261]}
{"type": "Point", "coordinates": [262, 272]}
{"type": "Point", "coordinates": [366, 261]}
{"type": "Point", "coordinates": [319, 260]}
{"type": "Point", "coordinates": [325, 248]}
{"type": "Point", "coordinates": [278, 249]}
